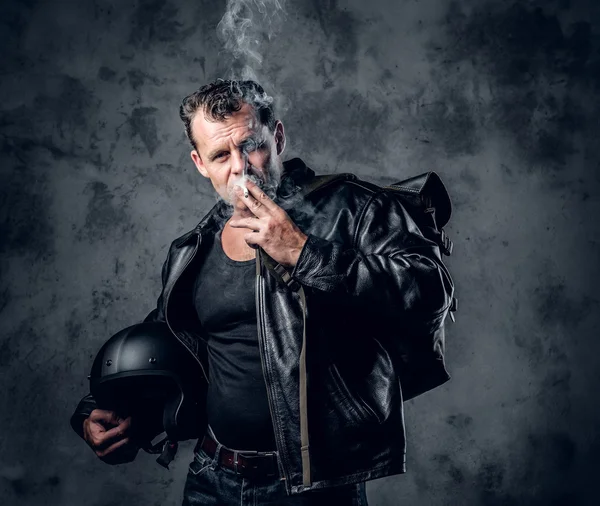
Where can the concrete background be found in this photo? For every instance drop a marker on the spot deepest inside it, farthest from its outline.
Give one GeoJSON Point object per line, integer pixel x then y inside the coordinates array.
{"type": "Point", "coordinates": [499, 97]}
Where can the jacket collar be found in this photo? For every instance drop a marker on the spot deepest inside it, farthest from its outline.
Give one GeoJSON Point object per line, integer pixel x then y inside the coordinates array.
{"type": "Point", "coordinates": [295, 175]}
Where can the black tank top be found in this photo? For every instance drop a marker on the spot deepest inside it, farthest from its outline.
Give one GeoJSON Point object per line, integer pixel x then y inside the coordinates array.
{"type": "Point", "coordinates": [237, 404]}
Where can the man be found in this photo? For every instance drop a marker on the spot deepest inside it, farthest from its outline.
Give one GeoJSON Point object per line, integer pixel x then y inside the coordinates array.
{"type": "Point", "coordinates": [301, 299]}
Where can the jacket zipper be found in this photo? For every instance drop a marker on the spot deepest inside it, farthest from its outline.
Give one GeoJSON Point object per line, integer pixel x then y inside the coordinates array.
{"type": "Point", "coordinates": [266, 375]}
{"type": "Point", "coordinates": [167, 308]}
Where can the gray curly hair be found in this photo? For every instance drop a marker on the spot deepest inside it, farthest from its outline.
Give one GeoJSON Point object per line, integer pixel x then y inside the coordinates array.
{"type": "Point", "coordinates": [221, 98]}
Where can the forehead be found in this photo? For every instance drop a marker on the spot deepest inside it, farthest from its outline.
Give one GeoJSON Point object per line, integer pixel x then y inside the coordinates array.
{"type": "Point", "coordinates": [209, 133]}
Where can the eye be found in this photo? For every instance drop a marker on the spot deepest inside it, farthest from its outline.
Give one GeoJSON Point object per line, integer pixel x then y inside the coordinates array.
{"type": "Point", "coordinates": [221, 155]}
{"type": "Point", "coordinates": [253, 145]}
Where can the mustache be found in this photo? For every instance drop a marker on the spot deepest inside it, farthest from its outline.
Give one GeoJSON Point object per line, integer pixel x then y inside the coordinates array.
{"type": "Point", "coordinates": [268, 180]}
{"type": "Point", "coordinates": [269, 187]}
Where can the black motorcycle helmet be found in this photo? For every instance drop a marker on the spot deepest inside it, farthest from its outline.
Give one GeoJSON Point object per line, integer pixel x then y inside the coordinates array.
{"type": "Point", "coordinates": [144, 372]}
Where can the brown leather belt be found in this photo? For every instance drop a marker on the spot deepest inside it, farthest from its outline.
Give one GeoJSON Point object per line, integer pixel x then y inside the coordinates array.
{"type": "Point", "coordinates": [252, 465]}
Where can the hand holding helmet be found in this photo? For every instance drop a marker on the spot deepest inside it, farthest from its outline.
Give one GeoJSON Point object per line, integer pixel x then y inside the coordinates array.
{"type": "Point", "coordinates": [108, 435]}
{"type": "Point", "coordinates": [145, 375]}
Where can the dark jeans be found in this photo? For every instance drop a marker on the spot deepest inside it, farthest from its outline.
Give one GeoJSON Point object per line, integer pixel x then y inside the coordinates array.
{"type": "Point", "coordinates": [209, 484]}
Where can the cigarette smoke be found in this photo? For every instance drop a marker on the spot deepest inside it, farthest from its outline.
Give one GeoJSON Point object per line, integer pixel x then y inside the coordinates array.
{"type": "Point", "coordinates": [245, 29]}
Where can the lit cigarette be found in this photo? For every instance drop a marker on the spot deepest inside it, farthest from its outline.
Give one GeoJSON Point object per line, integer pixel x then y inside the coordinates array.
{"type": "Point", "coordinates": [241, 182]}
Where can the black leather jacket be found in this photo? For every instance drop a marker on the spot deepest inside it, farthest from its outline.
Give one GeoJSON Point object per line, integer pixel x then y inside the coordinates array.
{"type": "Point", "coordinates": [333, 336]}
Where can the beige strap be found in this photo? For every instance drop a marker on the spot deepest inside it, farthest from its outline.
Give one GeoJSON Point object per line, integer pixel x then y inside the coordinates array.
{"type": "Point", "coordinates": [283, 276]}
{"type": "Point", "coordinates": [304, 448]}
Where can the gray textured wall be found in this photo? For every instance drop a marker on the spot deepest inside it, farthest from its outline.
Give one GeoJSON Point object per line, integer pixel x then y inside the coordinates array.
{"type": "Point", "coordinates": [499, 97]}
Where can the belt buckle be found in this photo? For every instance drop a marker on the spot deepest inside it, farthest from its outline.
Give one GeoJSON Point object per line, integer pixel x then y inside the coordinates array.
{"type": "Point", "coordinates": [274, 464]}
{"type": "Point", "coordinates": [235, 462]}
{"type": "Point", "coordinates": [236, 456]}
{"type": "Point", "coordinates": [266, 466]}
{"type": "Point", "coordinates": [254, 470]}
{"type": "Point", "coordinates": [245, 455]}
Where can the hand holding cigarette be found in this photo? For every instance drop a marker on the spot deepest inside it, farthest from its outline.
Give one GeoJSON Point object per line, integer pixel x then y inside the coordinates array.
{"type": "Point", "coordinates": [272, 228]}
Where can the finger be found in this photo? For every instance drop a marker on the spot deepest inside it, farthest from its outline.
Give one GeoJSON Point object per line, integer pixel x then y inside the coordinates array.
{"type": "Point", "coordinates": [112, 448]}
{"type": "Point", "coordinates": [258, 194]}
{"type": "Point", "coordinates": [97, 427]}
{"type": "Point", "coordinates": [122, 428]}
{"type": "Point", "coordinates": [256, 206]}
{"type": "Point", "coordinates": [105, 417]}
{"type": "Point", "coordinates": [87, 430]}
{"type": "Point", "coordinates": [253, 240]}
{"type": "Point", "coordinates": [251, 223]}
{"type": "Point", "coordinates": [105, 439]}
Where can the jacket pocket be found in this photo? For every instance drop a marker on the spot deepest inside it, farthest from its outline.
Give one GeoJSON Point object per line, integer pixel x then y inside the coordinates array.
{"type": "Point", "coordinates": [379, 388]}
{"type": "Point", "coordinates": [361, 408]}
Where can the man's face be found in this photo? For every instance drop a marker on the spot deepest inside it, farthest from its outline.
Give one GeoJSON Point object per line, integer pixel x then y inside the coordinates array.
{"type": "Point", "coordinates": [237, 146]}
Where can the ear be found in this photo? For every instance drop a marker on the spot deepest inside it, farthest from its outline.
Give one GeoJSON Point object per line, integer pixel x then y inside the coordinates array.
{"type": "Point", "coordinates": [279, 137]}
{"type": "Point", "coordinates": [199, 163]}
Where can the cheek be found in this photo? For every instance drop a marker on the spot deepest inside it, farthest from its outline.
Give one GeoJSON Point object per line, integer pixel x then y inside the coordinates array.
{"type": "Point", "coordinates": [219, 177]}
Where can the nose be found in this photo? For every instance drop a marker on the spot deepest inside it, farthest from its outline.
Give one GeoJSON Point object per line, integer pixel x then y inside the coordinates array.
{"type": "Point", "coordinates": [239, 162]}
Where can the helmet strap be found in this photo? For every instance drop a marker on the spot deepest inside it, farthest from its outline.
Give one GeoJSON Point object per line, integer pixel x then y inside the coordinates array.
{"type": "Point", "coordinates": [168, 454]}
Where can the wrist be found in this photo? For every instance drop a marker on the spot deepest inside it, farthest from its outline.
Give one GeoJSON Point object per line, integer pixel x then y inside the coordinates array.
{"type": "Point", "coordinates": [297, 250]}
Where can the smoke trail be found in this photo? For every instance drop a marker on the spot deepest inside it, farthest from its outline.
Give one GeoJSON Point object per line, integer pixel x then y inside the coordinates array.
{"type": "Point", "coordinates": [246, 27]}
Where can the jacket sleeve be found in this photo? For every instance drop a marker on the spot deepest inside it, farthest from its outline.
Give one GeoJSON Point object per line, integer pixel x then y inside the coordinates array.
{"type": "Point", "coordinates": [390, 270]}
{"type": "Point", "coordinates": [157, 314]}
{"type": "Point", "coordinates": [82, 411]}
{"type": "Point", "coordinates": [87, 404]}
